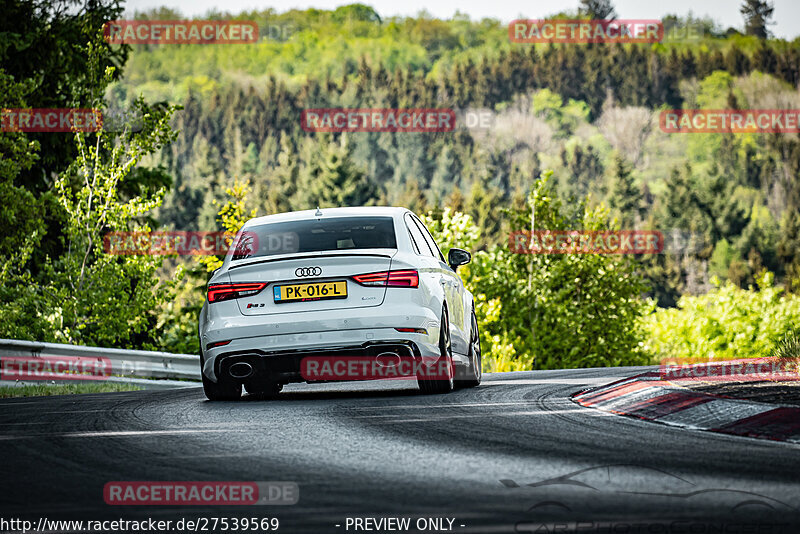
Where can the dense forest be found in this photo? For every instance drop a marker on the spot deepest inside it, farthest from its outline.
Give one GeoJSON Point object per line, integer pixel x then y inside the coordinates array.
{"type": "Point", "coordinates": [587, 112]}
{"type": "Point", "coordinates": [578, 124]}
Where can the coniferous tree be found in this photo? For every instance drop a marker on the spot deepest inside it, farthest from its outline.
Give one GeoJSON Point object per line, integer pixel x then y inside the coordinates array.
{"type": "Point", "coordinates": [597, 9]}
{"type": "Point", "coordinates": [482, 204]}
{"type": "Point", "coordinates": [413, 198]}
{"type": "Point", "coordinates": [757, 15]}
{"type": "Point", "coordinates": [624, 197]}
{"type": "Point", "coordinates": [274, 193]}
{"type": "Point", "coordinates": [333, 179]}
{"type": "Point", "coordinates": [788, 249]}
{"type": "Point", "coordinates": [583, 171]}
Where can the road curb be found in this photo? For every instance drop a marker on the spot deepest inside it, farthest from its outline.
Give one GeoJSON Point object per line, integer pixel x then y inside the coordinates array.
{"type": "Point", "coordinates": [650, 397]}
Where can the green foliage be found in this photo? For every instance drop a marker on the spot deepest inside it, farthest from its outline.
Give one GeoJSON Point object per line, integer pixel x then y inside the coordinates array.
{"type": "Point", "coordinates": [571, 109]}
{"type": "Point", "coordinates": [788, 350]}
{"type": "Point", "coordinates": [726, 323]}
{"type": "Point", "coordinates": [564, 117]}
{"type": "Point", "coordinates": [624, 197]}
{"type": "Point", "coordinates": [757, 15]}
{"type": "Point", "coordinates": [455, 229]}
{"type": "Point", "coordinates": [355, 12]}
{"type": "Point", "coordinates": [232, 216]}
{"type": "Point", "coordinates": [84, 301]}
{"type": "Point", "coordinates": [722, 258]}
{"type": "Point", "coordinates": [551, 311]}
{"type": "Point", "coordinates": [574, 109]}
{"type": "Point", "coordinates": [333, 180]}
{"type": "Point", "coordinates": [84, 295]}
{"type": "Point", "coordinates": [44, 45]}
{"type": "Point", "coordinates": [452, 230]}
{"type": "Point", "coordinates": [597, 9]}
{"type": "Point", "coordinates": [176, 326]}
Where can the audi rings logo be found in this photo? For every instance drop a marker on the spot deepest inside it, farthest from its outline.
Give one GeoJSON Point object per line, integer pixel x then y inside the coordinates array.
{"type": "Point", "coordinates": [308, 271]}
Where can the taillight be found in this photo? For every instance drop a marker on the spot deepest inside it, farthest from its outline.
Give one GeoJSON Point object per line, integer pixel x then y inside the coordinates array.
{"type": "Point", "coordinates": [389, 278]}
{"type": "Point", "coordinates": [218, 292]}
{"type": "Point", "coordinates": [218, 344]}
{"type": "Point", "coordinates": [412, 330]}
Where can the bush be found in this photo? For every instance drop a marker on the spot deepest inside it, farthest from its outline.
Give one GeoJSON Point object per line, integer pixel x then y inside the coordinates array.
{"type": "Point", "coordinates": [557, 311]}
{"type": "Point", "coordinates": [725, 324]}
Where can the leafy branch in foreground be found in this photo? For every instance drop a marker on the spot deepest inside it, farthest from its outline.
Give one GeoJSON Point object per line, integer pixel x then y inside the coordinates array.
{"type": "Point", "coordinates": [103, 298]}
{"type": "Point", "coordinates": [84, 295]}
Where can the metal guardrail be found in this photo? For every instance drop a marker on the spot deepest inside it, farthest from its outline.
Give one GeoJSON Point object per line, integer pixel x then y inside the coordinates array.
{"type": "Point", "coordinates": [126, 365]}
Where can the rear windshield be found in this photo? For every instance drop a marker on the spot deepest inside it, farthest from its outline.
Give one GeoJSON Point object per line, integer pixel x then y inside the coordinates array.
{"type": "Point", "coordinates": [339, 233]}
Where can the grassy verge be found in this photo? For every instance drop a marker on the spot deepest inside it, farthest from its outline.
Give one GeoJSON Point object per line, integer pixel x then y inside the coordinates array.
{"type": "Point", "coordinates": [70, 388]}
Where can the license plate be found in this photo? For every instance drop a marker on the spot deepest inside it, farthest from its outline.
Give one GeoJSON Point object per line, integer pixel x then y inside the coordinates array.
{"type": "Point", "coordinates": [313, 291]}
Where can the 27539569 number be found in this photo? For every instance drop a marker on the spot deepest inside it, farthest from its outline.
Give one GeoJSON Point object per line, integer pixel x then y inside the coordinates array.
{"type": "Point", "coordinates": [232, 524]}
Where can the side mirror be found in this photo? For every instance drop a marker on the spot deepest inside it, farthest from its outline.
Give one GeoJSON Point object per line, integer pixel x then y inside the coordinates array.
{"type": "Point", "coordinates": [457, 257]}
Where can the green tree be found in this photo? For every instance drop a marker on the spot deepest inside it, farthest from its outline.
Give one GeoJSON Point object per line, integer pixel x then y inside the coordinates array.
{"type": "Point", "coordinates": [275, 192]}
{"type": "Point", "coordinates": [21, 212]}
{"type": "Point", "coordinates": [88, 296]}
{"type": "Point", "coordinates": [355, 12]}
{"type": "Point", "coordinates": [554, 311]}
{"type": "Point", "coordinates": [624, 197]}
{"type": "Point", "coordinates": [757, 15]}
{"type": "Point", "coordinates": [597, 9]}
{"type": "Point", "coordinates": [45, 43]}
{"type": "Point", "coordinates": [584, 171]}
{"type": "Point", "coordinates": [333, 180]}
{"type": "Point", "coordinates": [789, 248]}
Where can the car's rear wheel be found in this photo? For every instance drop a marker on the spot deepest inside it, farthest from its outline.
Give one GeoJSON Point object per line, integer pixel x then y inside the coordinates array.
{"type": "Point", "coordinates": [473, 373]}
{"type": "Point", "coordinates": [445, 362]}
{"type": "Point", "coordinates": [223, 390]}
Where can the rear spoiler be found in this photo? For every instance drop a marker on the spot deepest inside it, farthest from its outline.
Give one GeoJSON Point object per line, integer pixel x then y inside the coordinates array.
{"type": "Point", "coordinates": [309, 255]}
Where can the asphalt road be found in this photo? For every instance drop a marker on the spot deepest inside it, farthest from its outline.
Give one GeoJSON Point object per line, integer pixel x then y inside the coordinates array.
{"type": "Point", "coordinates": [513, 455]}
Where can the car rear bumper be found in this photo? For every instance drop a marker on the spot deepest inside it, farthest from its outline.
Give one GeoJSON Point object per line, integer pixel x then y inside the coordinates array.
{"type": "Point", "coordinates": [282, 357]}
{"type": "Point", "coordinates": [286, 366]}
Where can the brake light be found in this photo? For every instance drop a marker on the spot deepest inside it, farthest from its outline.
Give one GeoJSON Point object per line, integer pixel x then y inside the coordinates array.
{"type": "Point", "coordinates": [412, 330]}
{"type": "Point", "coordinates": [218, 292]}
{"type": "Point", "coordinates": [389, 278]}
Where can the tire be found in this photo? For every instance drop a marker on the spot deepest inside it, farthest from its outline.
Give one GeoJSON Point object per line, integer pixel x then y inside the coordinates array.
{"type": "Point", "coordinates": [429, 386]}
{"type": "Point", "coordinates": [473, 374]}
{"type": "Point", "coordinates": [223, 390]}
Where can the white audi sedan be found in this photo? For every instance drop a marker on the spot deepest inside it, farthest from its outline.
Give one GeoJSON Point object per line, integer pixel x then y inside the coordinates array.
{"type": "Point", "coordinates": [334, 295]}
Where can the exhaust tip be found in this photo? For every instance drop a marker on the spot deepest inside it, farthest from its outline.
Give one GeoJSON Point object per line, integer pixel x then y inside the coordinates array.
{"type": "Point", "coordinates": [388, 359]}
{"type": "Point", "coordinates": [240, 370]}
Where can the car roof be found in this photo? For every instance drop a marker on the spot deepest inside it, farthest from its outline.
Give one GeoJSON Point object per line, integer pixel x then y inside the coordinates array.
{"type": "Point", "coordinates": [374, 211]}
